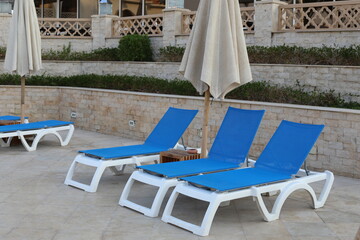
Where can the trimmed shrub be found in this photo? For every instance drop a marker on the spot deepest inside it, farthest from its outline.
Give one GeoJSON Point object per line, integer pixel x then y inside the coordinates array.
{"type": "Point", "coordinates": [100, 54]}
{"type": "Point", "coordinates": [2, 52]}
{"type": "Point", "coordinates": [171, 54]}
{"type": "Point", "coordinates": [135, 48]}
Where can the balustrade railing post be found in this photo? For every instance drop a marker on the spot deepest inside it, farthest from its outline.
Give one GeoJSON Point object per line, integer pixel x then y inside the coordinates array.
{"type": "Point", "coordinates": [267, 18]}
{"type": "Point", "coordinates": [101, 26]}
{"type": "Point", "coordinates": [5, 19]}
{"type": "Point", "coordinates": [172, 25]}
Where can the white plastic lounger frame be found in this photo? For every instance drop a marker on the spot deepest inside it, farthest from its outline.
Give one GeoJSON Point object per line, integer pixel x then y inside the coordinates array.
{"type": "Point", "coordinates": [39, 134]}
{"type": "Point", "coordinates": [216, 198]}
{"type": "Point", "coordinates": [117, 166]}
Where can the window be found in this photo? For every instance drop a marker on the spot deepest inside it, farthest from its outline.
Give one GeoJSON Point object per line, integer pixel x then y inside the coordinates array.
{"type": "Point", "coordinates": [141, 7]}
{"type": "Point", "coordinates": [56, 8]}
{"type": "Point", "coordinates": [154, 6]}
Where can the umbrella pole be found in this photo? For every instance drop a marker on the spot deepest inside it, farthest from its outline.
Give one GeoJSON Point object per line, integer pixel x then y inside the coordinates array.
{"type": "Point", "coordinates": [22, 99]}
{"type": "Point", "coordinates": [205, 124]}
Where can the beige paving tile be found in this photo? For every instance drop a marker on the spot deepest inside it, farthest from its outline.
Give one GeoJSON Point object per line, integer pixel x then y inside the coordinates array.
{"type": "Point", "coordinates": [344, 229]}
{"type": "Point", "coordinates": [42, 222]}
{"type": "Point", "coordinates": [4, 196]}
{"type": "Point", "coordinates": [79, 235]}
{"type": "Point", "coordinates": [81, 223]}
{"type": "Point", "coordinates": [297, 215]}
{"type": "Point", "coordinates": [268, 237]}
{"type": "Point", "coordinates": [89, 211]}
{"type": "Point", "coordinates": [334, 216]}
{"type": "Point", "coordinates": [274, 228]}
{"type": "Point", "coordinates": [4, 231]}
{"type": "Point", "coordinates": [9, 221]}
{"type": "Point", "coordinates": [309, 229]}
{"type": "Point", "coordinates": [29, 234]}
{"type": "Point", "coordinates": [17, 208]}
{"type": "Point", "coordinates": [315, 238]}
{"type": "Point", "coordinates": [55, 210]}
{"type": "Point", "coordinates": [180, 237]}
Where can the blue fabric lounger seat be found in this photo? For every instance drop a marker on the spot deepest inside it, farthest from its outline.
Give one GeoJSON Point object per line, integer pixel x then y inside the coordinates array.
{"type": "Point", "coordinates": [229, 151]}
{"type": "Point", "coordinates": [274, 170]}
{"type": "Point", "coordinates": [39, 129]}
{"type": "Point", "coordinates": [164, 136]}
{"type": "Point", "coordinates": [10, 118]}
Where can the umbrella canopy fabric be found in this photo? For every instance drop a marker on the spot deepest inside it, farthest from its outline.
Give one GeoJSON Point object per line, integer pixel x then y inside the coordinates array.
{"type": "Point", "coordinates": [216, 55]}
{"type": "Point", "coordinates": [23, 53]}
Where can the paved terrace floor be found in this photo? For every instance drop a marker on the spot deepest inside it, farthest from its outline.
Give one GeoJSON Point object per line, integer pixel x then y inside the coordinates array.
{"type": "Point", "coordinates": [35, 204]}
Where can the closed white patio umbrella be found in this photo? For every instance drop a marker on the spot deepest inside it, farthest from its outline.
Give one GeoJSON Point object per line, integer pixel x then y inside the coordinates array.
{"type": "Point", "coordinates": [216, 59]}
{"type": "Point", "coordinates": [23, 53]}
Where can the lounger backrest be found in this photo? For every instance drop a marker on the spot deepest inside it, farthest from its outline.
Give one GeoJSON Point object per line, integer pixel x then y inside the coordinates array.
{"type": "Point", "coordinates": [236, 134]}
{"type": "Point", "coordinates": [289, 147]}
{"type": "Point", "coordinates": [171, 127]}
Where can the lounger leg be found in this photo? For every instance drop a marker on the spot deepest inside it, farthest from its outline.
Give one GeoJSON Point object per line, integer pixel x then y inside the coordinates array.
{"type": "Point", "coordinates": [100, 168]}
{"type": "Point", "coordinates": [25, 143]}
{"type": "Point", "coordinates": [126, 191]}
{"type": "Point", "coordinates": [116, 171]}
{"type": "Point", "coordinates": [208, 218]}
{"type": "Point", "coordinates": [158, 200]}
{"type": "Point", "coordinates": [280, 200]}
{"type": "Point", "coordinates": [70, 173]}
{"type": "Point", "coordinates": [225, 204]}
{"type": "Point", "coordinates": [202, 230]}
{"type": "Point", "coordinates": [56, 133]}
{"type": "Point", "coordinates": [325, 191]}
{"type": "Point", "coordinates": [96, 179]}
{"type": "Point", "coordinates": [161, 183]}
{"type": "Point", "coordinates": [166, 217]}
{"type": "Point", "coordinates": [292, 187]}
{"type": "Point", "coordinates": [68, 136]}
{"type": "Point", "coordinates": [5, 143]}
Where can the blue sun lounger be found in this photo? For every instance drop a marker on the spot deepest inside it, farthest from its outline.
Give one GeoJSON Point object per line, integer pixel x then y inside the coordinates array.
{"type": "Point", "coordinates": [229, 151]}
{"type": "Point", "coordinates": [164, 136]}
{"type": "Point", "coordinates": [274, 170]}
{"type": "Point", "coordinates": [38, 129]}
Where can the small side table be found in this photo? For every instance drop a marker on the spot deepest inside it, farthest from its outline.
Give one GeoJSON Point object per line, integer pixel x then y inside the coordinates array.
{"type": "Point", "coordinates": [175, 155]}
{"type": "Point", "coordinates": [8, 122]}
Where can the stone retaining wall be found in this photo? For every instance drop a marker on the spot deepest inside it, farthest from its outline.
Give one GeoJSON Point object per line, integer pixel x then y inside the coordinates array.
{"type": "Point", "coordinates": [342, 79]}
{"type": "Point", "coordinates": [107, 111]}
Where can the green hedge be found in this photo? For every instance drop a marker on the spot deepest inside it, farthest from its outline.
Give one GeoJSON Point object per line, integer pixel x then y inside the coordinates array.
{"type": "Point", "coordinates": [253, 91]}
{"type": "Point", "coordinates": [348, 56]}
{"type": "Point", "coordinates": [137, 48]}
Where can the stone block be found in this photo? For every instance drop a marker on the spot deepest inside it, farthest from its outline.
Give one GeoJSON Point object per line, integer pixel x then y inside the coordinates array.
{"type": "Point", "coordinates": [336, 145]}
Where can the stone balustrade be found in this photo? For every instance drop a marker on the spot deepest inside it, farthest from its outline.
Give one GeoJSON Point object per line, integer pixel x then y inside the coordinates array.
{"type": "Point", "coordinates": [268, 23]}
